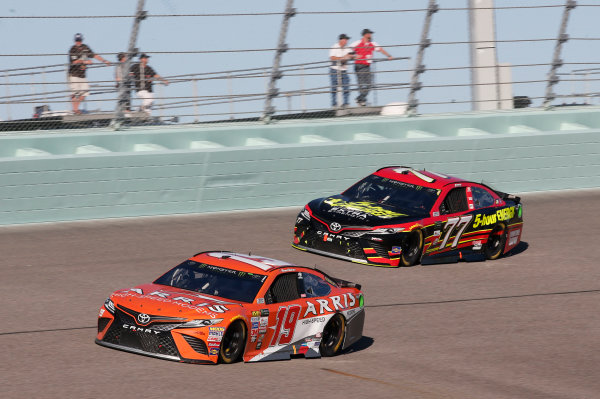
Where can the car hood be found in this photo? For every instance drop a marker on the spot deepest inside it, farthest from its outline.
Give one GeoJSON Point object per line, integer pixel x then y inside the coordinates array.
{"type": "Point", "coordinates": [160, 300]}
{"type": "Point", "coordinates": [346, 212]}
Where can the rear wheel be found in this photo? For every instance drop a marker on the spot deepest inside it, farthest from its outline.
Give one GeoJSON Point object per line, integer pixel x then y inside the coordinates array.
{"type": "Point", "coordinates": [233, 343]}
{"type": "Point", "coordinates": [411, 250]}
{"type": "Point", "coordinates": [495, 243]}
{"type": "Point", "coordinates": [333, 336]}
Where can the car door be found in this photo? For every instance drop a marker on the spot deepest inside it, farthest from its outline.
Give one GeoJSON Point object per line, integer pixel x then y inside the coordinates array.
{"type": "Point", "coordinates": [272, 333]}
{"type": "Point", "coordinates": [454, 219]}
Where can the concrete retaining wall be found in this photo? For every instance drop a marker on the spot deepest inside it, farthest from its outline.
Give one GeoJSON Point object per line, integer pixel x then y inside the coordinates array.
{"type": "Point", "coordinates": [99, 174]}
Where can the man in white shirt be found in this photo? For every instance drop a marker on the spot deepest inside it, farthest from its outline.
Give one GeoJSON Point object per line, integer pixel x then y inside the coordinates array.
{"type": "Point", "coordinates": [339, 55]}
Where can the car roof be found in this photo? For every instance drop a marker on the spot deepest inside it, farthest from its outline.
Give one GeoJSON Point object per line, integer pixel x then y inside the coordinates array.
{"type": "Point", "coordinates": [243, 262]}
{"type": "Point", "coordinates": [423, 177]}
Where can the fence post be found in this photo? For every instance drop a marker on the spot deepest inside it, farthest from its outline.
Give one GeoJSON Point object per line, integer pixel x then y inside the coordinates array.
{"type": "Point", "coordinates": [126, 79]}
{"type": "Point", "coordinates": [282, 47]}
{"type": "Point", "coordinates": [419, 68]}
{"type": "Point", "coordinates": [557, 62]}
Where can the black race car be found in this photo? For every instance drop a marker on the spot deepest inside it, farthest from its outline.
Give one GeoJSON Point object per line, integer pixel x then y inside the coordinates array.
{"type": "Point", "coordinates": [399, 216]}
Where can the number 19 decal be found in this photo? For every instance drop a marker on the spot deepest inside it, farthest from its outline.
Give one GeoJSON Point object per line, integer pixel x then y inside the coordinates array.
{"type": "Point", "coordinates": [287, 316]}
{"type": "Point", "coordinates": [454, 224]}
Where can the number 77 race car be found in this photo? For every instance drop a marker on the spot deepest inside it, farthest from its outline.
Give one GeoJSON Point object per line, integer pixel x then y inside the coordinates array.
{"type": "Point", "coordinates": [399, 216]}
{"type": "Point", "coordinates": [223, 307]}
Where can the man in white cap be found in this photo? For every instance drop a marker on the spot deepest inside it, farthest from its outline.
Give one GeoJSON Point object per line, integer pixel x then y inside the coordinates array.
{"type": "Point", "coordinates": [80, 56]}
{"type": "Point", "coordinates": [339, 55]}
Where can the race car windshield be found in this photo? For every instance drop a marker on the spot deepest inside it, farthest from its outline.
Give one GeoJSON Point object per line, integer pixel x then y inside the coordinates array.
{"type": "Point", "coordinates": [214, 280]}
{"type": "Point", "coordinates": [396, 194]}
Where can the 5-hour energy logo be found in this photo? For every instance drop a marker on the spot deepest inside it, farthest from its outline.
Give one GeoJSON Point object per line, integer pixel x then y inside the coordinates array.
{"type": "Point", "coordinates": [500, 215]}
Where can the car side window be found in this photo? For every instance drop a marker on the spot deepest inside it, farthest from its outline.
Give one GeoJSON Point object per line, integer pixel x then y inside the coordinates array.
{"type": "Point", "coordinates": [314, 286]}
{"type": "Point", "coordinates": [455, 201]}
{"type": "Point", "coordinates": [482, 198]}
{"type": "Point", "coordinates": [285, 288]}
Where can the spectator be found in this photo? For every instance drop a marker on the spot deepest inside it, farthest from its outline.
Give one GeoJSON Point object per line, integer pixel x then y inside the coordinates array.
{"type": "Point", "coordinates": [121, 78]}
{"type": "Point", "coordinates": [80, 55]}
{"type": "Point", "coordinates": [339, 55]}
{"type": "Point", "coordinates": [143, 75]}
{"type": "Point", "coordinates": [364, 49]}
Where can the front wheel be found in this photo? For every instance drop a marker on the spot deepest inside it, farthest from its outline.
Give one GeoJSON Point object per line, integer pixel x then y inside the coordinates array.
{"type": "Point", "coordinates": [333, 336]}
{"type": "Point", "coordinates": [495, 243]}
{"type": "Point", "coordinates": [233, 343]}
{"type": "Point", "coordinates": [411, 250]}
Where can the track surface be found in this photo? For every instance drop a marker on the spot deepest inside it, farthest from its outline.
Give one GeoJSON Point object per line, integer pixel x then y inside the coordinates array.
{"type": "Point", "coordinates": [525, 326]}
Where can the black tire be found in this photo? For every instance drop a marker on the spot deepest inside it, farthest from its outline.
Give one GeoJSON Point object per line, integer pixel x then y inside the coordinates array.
{"type": "Point", "coordinates": [333, 336]}
{"type": "Point", "coordinates": [233, 343]}
{"type": "Point", "coordinates": [495, 243]}
{"type": "Point", "coordinates": [412, 248]}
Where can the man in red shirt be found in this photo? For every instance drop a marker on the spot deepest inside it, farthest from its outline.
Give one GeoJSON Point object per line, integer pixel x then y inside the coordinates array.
{"type": "Point", "coordinates": [364, 50]}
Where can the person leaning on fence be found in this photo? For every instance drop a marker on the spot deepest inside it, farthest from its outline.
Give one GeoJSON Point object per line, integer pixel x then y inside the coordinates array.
{"type": "Point", "coordinates": [364, 50]}
{"type": "Point", "coordinates": [80, 55]}
{"type": "Point", "coordinates": [339, 55]}
{"type": "Point", "coordinates": [120, 77]}
{"type": "Point", "coordinates": [143, 76]}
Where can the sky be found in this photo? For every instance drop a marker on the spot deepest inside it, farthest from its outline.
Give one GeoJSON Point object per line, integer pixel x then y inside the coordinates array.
{"type": "Point", "coordinates": [46, 42]}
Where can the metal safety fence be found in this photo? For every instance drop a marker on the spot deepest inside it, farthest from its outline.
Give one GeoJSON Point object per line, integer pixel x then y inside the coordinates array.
{"type": "Point", "coordinates": [429, 74]}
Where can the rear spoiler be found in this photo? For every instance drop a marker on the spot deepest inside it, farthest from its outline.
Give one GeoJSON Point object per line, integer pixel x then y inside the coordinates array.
{"type": "Point", "coordinates": [339, 281]}
{"type": "Point", "coordinates": [506, 196]}
{"type": "Point", "coordinates": [344, 283]}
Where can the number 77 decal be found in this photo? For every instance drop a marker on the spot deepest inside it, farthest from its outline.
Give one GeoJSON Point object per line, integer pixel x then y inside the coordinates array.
{"type": "Point", "coordinates": [454, 224]}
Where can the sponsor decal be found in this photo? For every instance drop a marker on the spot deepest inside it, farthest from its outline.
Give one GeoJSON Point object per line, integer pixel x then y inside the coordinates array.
{"type": "Point", "coordinates": [260, 300]}
{"type": "Point", "coordinates": [258, 345]}
{"type": "Point", "coordinates": [477, 245]}
{"type": "Point", "coordinates": [255, 325]}
{"type": "Point", "coordinates": [264, 313]}
{"type": "Point", "coordinates": [287, 270]}
{"type": "Point", "coordinates": [213, 351]}
{"type": "Point", "coordinates": [396, 250]}
{"type": "Point", "coordinates": [215, 334]}
{"type": "Point", "coordinates": [252, 338]}
{"type": "Point", "coordinates": [364, 208]}
{"type": "Point", "coordinates": [314, 320]}
{"type": "Point", "coordinates": [254, 319]}
{"type": "Point", "coordinates": [500, 215]}
{"type": "Point", "coordinates": [436, 214]}
{"type": "Point", "coordinates": [331, 304]}
{"type": "Point", "coordinates": [255, 313]}
{"type": "Point", "coordinates": [513, 237]}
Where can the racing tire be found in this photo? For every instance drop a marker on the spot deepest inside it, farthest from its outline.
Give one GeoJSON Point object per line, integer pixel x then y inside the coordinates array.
{"type": "Point", "coordinates": [233, 343]}
{"type": "Point", "coordinates": [333, 336]}
{"type": "Point", "coordinates": [494, 247]}
{"type": "Point", "coordinates": [412, 248]}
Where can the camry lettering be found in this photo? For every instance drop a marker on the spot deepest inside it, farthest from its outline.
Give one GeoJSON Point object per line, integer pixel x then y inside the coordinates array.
{"type": "Point", "coordinates": [139, 329]}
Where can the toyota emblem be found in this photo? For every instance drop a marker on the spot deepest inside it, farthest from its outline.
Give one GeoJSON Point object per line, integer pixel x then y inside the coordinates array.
{"type": "Point", "coordinates": [143, 318]}
{"type": "Point", "coordinates": [335, 226]}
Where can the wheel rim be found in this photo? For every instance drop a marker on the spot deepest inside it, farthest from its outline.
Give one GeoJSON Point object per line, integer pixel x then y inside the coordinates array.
{"type": "Point", "coordinates": [495, 242]}
{"type": "Point", "coordinates": [409, 257]}
{"type": "Point", "coordinates": [232, 342]}
{"type": "Point", "coordinates": [332, 334]}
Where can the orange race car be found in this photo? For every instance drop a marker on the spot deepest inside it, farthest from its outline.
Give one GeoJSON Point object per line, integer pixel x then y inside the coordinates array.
{"type": "Point", "coordinates": [223, 307]}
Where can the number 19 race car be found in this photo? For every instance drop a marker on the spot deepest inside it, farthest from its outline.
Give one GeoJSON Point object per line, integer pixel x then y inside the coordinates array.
{"type": "Point", "coordinates": [399, 216]}
{"type": "Point", "coordinates": [223, 307]}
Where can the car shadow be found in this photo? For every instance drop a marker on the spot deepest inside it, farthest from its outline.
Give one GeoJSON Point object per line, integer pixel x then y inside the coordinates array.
{"type": "Point", "coordinates": [520, 248]}
{"type": "Point", "coordinates": [361, 344]}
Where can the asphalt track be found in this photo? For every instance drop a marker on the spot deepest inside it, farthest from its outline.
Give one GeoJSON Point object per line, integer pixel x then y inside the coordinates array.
{"type": "Point", "coordinates": [524, 326]}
